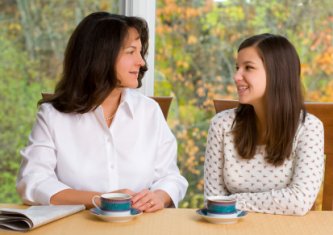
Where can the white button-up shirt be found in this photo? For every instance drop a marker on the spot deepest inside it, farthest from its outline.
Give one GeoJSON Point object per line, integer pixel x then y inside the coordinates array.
{"type": "Point", "coordinates": [81, 152]}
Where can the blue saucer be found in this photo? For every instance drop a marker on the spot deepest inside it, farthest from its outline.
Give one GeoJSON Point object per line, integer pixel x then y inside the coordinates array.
{"type": "Point", "coordinates": [115, 218]}
{"type": "Point", "coordinates": [222, 219]}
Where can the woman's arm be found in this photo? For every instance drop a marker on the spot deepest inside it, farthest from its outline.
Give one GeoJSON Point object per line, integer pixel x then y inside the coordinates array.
{"type": "Point", "coordinates": [167, 178]}
{"type": "Point", "coordinates": [213, 166]}
{"type": "Point", "coordinates": [37, 180]}
{"type": "Point", "coordinates": [73, 197]}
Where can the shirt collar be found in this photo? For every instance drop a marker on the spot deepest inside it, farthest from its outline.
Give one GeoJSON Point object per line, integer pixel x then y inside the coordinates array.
{"type": "Point", "coordinates": [127, 100]}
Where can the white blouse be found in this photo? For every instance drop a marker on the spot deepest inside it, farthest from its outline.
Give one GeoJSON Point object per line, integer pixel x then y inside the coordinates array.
{"type": "Point", "coordinates": [261, 187]}
{"type": "Point", "coordinates": [79, 151]}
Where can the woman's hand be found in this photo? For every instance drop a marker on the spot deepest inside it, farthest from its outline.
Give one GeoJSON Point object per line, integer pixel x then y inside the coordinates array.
{"type": "Point", "coordinates": [150, 201]}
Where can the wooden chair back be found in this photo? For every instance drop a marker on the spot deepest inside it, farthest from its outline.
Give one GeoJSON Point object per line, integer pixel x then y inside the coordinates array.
{"type": "Point", "coordinates": [323, 111]}
{"type": "Point", "coordinates": [164, 102]}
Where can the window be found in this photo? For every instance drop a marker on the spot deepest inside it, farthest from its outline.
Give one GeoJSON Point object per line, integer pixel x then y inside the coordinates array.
{"type": "Point", "coordinates": [194, 44]}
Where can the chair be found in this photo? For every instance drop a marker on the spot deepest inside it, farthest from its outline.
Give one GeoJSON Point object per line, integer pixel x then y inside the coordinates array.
{"type": "Point", "coordinates": [324, 111]}
{"type": "Point", "coordinates": [164, 102]}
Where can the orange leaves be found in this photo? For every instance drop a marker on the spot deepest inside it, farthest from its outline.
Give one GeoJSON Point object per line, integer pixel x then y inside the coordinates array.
{"type": "Point", "coordinates": [193, 151]}
{"type": "Point", "coordinates": [192, 12]}
{"type": "Point", "coordinates": [328, 97]}
{"type": "Point", "coordinates": [182, 64]}
{"type": "Point", "coordinates": [306, 69]}
{"type": "Point", "coordinates": [14, 27]}
{"type": "Point", "coordinates": [104, 5]}
{"type": "Point", "coordinates": [325, 94]}
{"type": "Point", "coordinates": [200, 184]}
{"type": "Point", "coordinates": [171, 8]}
{"type": "Point", "coordinates": [201, 92]}
{"type": "Point", "coordinates": [325, 61]}
{"type": "Point", "coordinates": [192, 39]}
{"type": "Point", "coordinates": [317, 67]}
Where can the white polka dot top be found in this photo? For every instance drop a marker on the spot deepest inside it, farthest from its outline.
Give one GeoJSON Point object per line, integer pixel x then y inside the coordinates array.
{"type": "Point", "coordinates": [257, 185]}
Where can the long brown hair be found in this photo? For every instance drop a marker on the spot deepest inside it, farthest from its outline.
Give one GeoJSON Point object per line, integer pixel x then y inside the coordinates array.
{"type": "Point", "coordinates": [89, 65]}
{"type": "Point", "coordinates": [284, 101]}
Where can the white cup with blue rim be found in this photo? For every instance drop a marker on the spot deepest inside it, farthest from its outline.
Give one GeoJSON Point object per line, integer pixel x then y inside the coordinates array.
{"type": "Point", "coordinates": [113, 204]}
{"type": "Point", "coordinates": [221, 206]}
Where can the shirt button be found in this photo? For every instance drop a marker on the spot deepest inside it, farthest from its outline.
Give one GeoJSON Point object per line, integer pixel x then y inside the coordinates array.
{"type": "Point", "coordinates": [112, 166]}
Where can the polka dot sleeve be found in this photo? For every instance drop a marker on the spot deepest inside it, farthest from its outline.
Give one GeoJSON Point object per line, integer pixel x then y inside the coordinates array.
{"type": "Point", "coordinates": [213, 166]}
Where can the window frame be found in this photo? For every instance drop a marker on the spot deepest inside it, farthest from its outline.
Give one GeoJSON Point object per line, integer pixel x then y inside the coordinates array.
{"type": "Point", "coordinates": [145, 9]}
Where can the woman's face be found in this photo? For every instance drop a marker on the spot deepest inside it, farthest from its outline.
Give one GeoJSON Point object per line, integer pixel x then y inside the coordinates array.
{"type": "Point", "coordinates": [250, 77]}
{"type": "Point", "coordinates": [129, 60]}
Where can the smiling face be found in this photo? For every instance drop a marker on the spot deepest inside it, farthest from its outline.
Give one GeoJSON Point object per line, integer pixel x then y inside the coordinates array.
{"type": "Point", "coordinates": [250, 77]}
{"type": "Point", "coordinates": [129, 60]}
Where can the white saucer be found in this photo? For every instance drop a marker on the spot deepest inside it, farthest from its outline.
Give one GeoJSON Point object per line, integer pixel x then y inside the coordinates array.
{"type": "Point", "coordinates": [228, 219]}
{"type": "Point", "coordinates": [115, 218]}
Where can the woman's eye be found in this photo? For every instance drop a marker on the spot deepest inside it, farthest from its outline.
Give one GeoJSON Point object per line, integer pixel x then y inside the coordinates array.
{"type": "Point", "coordinates": [248, 67]}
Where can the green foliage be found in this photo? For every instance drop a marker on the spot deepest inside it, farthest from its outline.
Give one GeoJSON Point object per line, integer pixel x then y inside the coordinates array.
{"type": "Point", "coordinates": [18, 105]}
{"type": "Point", "coordinates": [162, 87]}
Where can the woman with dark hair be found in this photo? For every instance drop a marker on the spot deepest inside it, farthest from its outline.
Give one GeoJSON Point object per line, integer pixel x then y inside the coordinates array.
{"type": "Point", "coordinates": [96, 134]}
{"type": "Point", "coordinates": [268, 152]}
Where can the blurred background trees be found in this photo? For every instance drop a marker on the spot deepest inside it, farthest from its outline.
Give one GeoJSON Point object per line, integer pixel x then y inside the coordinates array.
{"type": "Point", "coordinates": [196, 43]}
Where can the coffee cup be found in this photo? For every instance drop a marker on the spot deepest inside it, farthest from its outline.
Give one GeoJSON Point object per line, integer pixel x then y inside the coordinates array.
{"type": "Point", "coordinates": [116, 204]}
{"type": "Point", "coordinates": [221, 206]}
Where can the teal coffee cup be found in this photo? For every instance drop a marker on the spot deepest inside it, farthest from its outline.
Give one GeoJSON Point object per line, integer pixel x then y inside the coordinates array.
{"type": "Point", "coordinates": [221, 206]}
{"type": "Point", "coordinates": [116, 204]}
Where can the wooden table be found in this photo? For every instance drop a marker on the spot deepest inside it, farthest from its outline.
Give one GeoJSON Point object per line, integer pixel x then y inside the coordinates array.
{"type": "Point", "coordinates": [186, 221]}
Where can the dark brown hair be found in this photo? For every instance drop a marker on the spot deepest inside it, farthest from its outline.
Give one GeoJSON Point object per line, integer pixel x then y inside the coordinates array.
{"type": "Point", "coordinates": [284, 101]}
{"type": "Point", "coordinates": [89, 65]}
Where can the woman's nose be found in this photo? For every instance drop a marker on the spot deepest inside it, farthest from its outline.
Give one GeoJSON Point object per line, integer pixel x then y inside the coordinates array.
{"type": "Point", "coordinates": [141, 61]}
{"type": "Point", "coordinates": [238, 75]}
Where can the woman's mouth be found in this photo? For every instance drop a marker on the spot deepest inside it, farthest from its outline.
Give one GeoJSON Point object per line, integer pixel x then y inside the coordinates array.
{"type": "Point", "coordinates": [242, 89]}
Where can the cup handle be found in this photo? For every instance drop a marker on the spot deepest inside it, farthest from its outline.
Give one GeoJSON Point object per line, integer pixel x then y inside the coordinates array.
{"type": "Point", "coordinates": [93, 200]}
